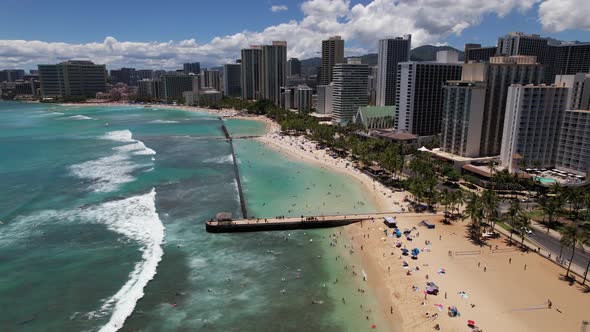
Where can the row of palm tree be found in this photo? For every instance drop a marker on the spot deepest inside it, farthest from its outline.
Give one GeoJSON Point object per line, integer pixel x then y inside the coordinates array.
{"type": "Point", "coordinates": [518, 220]}
{"type": "Point", "coordinates": [452, 199]}
{"type": "Point", "coordinates": [575, 237]}
{"type": "Point", "coordinates": [482, 209]}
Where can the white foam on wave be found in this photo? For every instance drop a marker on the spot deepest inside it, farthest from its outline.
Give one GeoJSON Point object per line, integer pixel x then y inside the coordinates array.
{"type": "Point", "coordinates": [136, 218]}
{"type": "Point", "coordinates": [108, 173]}
{"type": "Point", "coordinates": [79, 117]}
{"type": "Point", "coordinates": [164, 121]}
{"type": "Point", "coordinates": [52, 114]}
{"type": "Point", "coordinates": [119, 136]}
{"type": "Point", "coordinates": [219, 160]}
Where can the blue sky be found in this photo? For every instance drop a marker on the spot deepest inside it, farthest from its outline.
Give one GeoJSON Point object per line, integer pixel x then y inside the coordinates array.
{"type": "Point", "coordinates": [163, 33]}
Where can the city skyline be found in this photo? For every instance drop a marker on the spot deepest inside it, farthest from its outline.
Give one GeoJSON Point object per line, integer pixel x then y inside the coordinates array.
{"type": "Point", "coordinates": [142, 43]}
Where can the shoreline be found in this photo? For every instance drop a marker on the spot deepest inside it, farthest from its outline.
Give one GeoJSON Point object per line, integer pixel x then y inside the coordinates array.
{"type": "Point", "coordinates": [224, 112]}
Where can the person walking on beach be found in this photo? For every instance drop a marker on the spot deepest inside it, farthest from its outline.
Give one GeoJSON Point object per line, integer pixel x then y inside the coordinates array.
{"type": "Point", "coordinates": [510, 260]}
{"type": "Point", "coordinates": [549, 304]}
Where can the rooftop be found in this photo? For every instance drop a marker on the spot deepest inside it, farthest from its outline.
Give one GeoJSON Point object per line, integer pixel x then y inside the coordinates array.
{"type": "Point", "coordinates": [393, 135]}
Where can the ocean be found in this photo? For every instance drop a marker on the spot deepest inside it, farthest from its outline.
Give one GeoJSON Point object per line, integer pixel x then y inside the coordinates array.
{"type": "Point", "coordinates": [102, 213]}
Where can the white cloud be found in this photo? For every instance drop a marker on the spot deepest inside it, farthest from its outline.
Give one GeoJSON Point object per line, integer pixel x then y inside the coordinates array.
{"type": "Point", "coordinates": [361, 25]}
{"type": "Point", "coordinates": [559, 15]}
{"type": "Point", "coordinates": [278, 8]}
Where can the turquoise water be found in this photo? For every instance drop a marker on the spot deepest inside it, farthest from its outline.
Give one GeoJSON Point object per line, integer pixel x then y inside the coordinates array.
{"type": "Point", "coordinates": [102, 213]}
{"type": "Point", "coordinates": [545, 180]}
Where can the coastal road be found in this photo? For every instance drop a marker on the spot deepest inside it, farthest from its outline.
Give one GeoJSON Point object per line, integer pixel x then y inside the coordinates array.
{"type": "Point", "coordinates": [551, 244]}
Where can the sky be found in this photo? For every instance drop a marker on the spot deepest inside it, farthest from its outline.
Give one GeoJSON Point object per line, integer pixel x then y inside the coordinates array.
{"type": "Point", "coordinates": [164, 34]}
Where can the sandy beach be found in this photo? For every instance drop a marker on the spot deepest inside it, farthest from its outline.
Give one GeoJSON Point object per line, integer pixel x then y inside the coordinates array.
{"type": "Point", "coordinates": [498, 286]}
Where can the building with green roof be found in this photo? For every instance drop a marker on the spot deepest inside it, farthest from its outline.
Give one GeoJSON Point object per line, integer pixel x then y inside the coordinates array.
{"type": "Point", "coordinates": [375, 117]}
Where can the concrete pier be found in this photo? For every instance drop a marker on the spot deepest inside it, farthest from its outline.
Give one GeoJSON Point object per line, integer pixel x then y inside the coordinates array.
{"type": "Point", "coordinates": [237, 172]}
{"type": "Point", "coordinates": [288, 223]}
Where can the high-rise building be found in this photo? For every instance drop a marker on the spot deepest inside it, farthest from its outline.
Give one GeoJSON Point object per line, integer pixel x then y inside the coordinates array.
{"type": "Point", "coordinates": [251, 75]}
{"type": "Point", "coordinates": [332, 54]}
{"type": "Point", "coordinates": [531, 125]}
{"type": "Point", "coordinates": [191, 67]}
{"type": "Point", "coordinates": [391, 52]}
{"type": "Point", "coordinates": [143, 74]}
{"type": "Point", "coordinates": [231, 80]}
{"type": "Point", "coordinates": [287, 101]}
{"type": "Point", "coordinates": [567, 59]}
{"type": "Point", "coordinates": [210, 79]}
{"type": "Point", "coordinates": [302, 96]}
{"type": "Point", "coordinates": [462, 120]}
{"type": "Point", "coordinates": [124, 75]}
{"type": "Point", "coordinates": [349, 91]}
{"type": "Point", "coordinates": [149, 89]}
{"type": "Point", "coordinates": [11, 75]}
{"type": "Point", "coordinates": [72, 78]}
{"type": "Point", "coordinates": [274, 70]}
{"type": "Point", "coordinates": [519, 43]}
{"type": "Point", "coordinates": [573, 150]}
{"type": "Point", "coordinates": [294, 81]}
{"type": "Point", "coordinates": [324, 99]}
{"type": "Point", "coordinates": [174, 85]}
{"type": "Point", "coordinates": [499, 74]}
{"type": "Point", "coordinates": [372, 85]}
{"type": "Point", "coordinates": [420, 94]}
{"type": "Point", "coordinates": [477, 53]}
{"type": "Point", "coordinates": [580, 92]}
{"type": "Point", "coordinates": [293, 67]}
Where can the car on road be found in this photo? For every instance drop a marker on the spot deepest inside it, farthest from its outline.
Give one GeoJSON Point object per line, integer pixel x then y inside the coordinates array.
{"type": "Point", "coordinates": [527, 230]}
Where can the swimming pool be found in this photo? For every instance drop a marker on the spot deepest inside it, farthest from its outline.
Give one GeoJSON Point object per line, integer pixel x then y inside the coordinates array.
{"type": "Point", "coordinates": [545, 180]}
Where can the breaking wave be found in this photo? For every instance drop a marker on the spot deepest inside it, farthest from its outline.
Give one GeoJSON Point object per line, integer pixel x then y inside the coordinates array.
{"type": "Point", "coordinates": [79, 117]}
{"type": "Point", "coordinates": [164, 121]}
{"type": "Point", "coordinates": [108, 173]}
{"type": "Point", "coordinates": [135, 218]}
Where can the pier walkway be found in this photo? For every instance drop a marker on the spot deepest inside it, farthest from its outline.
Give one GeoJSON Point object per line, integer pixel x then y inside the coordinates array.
{"type": "Point", "coordinates": [302, 222]}
{"type": "Point", "coordinates": [237, 172]}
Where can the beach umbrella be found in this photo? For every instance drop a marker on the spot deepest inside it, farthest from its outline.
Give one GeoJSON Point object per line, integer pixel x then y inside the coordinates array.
{"type": "Point", "coordinates": [471, 322]}
{"type": "Point", "coordinates": [404, 250]}
{"type": "Point", "coordinates": [415, 251]}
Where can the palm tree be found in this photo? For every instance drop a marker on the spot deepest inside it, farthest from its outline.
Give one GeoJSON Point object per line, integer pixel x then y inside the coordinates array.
{"type": "Point", "coordinates": [474, 211]}
{"type": "Point", "coordinates": [445, 199]}
{"type": "Point", "coordinates": [522, 165]}
{"type": "Point", "coordinates": [493, 166]}
{"type": "Point", "coordinates": [514, 212]}
{"type": "Point", "coordinates": [523, 223]}
{"type": "Point", "coordinates": [550, 205]}
{"type": "Point", "coordinates": [489, 201]}
{"type": "Point", "coordinates": [571, 236]}
{"type": "Point", "coordinates": [585, 242]}
{"type": "Point", "coordinates": [461, 198]}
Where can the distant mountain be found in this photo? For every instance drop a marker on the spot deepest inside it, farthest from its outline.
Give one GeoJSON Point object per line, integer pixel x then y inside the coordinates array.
{"type": "Point", "coordinates": [310, 66]}
{"type": "Point", "coordinates": [428, 52]}
{"type": "Point", "coordinates": [420, 53]}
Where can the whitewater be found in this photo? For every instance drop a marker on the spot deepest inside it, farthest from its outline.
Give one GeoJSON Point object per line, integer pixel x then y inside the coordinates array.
{"type": "Point", "coordinates": [108, 173]}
